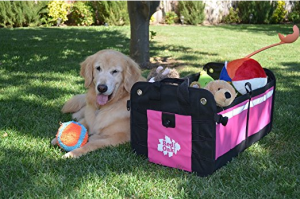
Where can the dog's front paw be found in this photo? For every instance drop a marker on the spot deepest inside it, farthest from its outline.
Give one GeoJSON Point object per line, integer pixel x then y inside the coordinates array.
{"type": "Point", "coordinates": [54, 142]}
{"type": "Point", "coordinates": [78, 115]}
{"type": "Point", "coordinates": [72, 154]}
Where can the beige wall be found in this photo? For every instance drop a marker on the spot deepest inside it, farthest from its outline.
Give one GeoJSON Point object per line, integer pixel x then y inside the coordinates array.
{"type": "Point", "coordinates": [214, 10]}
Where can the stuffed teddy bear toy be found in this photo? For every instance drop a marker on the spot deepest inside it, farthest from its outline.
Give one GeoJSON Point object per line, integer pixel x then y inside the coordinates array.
{"type": "Point", "coordinates": [222, 91]}
{"type": "Point", "coordinates": [159, 73]}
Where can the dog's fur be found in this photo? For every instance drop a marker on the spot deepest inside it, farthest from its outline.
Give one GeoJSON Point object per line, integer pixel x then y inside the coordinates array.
{"type": "Point", "coordinates": [106, 118]}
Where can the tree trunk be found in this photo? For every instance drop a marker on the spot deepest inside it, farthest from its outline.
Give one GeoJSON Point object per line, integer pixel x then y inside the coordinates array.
{"type": "Point", "coordinates": [139, 14]}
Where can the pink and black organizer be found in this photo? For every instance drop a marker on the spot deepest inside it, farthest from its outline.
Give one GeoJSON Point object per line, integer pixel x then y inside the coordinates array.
{"type": "Point", "coordinates": [179, 126]}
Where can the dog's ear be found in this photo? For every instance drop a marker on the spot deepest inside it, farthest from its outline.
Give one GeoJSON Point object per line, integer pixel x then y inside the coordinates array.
{"type": "Point", "coordinates": [87, 71]}
{"type": "Point", "coordinates": [132, 74]}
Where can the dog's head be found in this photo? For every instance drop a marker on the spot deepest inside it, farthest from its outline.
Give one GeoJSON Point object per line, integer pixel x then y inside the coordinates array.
{"type": "Point", "coordinates": [110, 73]}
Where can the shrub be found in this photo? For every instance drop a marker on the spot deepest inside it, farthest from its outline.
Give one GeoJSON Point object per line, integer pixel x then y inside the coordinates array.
{"type": "Point", "coordinates": [6, 14]}
{"type": "Point", "coordinates": [59, 10]}
{"type": "Point", "coordinates": [20, 13]}
{"type": "Point", "coordinates": [294, 16]}
{"type": "Point", "coordinates": [152, 34]}
{"type": "Point", "coordinates": [279, 13]}
{"type": "Point", "coordinates": [232, 17]}
{"type": "Point", "coordinates": [171, 17]}
{"type": "Point", "coordinates": [193, 11]}
{"type": "Point", "coordinates": [80, 14]}
{"type": "Point", "coordinates": [44, 16]}
{"type": "Point", "coordinates": [152, 19]}
{"type": "Point", "coordinates": [261, 11]}
{"type": "Point", "coordinates": [110, 12]}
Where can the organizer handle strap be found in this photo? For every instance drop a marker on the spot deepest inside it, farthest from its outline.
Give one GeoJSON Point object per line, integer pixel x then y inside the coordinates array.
{"type": "Point", "coordinates": [248, 87]}
{"type": "Point", "coordinates": [182, 89]}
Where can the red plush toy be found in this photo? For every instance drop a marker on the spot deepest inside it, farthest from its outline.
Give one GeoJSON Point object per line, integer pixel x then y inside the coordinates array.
{"type": "Point", "coordinates": [247, 70]}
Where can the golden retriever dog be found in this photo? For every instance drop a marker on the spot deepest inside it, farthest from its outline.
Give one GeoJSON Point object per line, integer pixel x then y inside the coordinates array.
{"type": "Point", "coordinates": [109, 76]}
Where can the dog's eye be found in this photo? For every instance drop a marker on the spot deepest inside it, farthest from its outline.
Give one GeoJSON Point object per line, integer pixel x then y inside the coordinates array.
{"type": "Point", "coordinates": [219, 89]}
{"type": "Point", "coordinates": [98, 68]}
{"type": "Point", "coordinates": [114, 72]}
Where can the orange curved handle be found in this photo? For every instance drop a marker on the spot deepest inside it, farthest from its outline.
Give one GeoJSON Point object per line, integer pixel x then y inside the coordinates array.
{"type": "Point", "coordinates": [283, 40]}
{"type": "Point", "coordinates": [291, 37]}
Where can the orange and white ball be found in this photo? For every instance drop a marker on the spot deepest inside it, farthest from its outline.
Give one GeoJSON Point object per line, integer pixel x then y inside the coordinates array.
{"type": "Point", "coordinates": [71, 135]}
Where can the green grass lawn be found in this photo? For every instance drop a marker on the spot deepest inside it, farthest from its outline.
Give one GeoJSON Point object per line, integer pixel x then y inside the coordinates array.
{"type": "Point", "coordinates": [39, 71]}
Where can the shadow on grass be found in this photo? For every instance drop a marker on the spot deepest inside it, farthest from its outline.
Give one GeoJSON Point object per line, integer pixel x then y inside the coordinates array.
{"type": "Point", "coordinates": [46, 176]}
{"type": "Point", "coordinates": [270, 30]}
{"type": "Point", "coordinates": [187, 59]}
{"type": "Point", "coordinates": [291, 66]}
{"type": "Point", "coordinates": [32, 59]}
{"type": "Point", "coordinates": [56, 49]}
{"type": "Point", "coordinates": [49, 176]}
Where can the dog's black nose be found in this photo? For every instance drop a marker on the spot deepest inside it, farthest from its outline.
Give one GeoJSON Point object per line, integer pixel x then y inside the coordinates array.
{"type": "Point", "coordinates": [227, 95]}
{"type": "Point", "coordinates": [102, 88]}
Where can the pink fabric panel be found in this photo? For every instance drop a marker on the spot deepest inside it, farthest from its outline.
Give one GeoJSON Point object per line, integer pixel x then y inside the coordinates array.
{"type": "Point", "coordinates": [171, 147]}
{"type": "Point", "coordinates": [227, 137]}
{"type": "Point", "coordinates": [260, 116]}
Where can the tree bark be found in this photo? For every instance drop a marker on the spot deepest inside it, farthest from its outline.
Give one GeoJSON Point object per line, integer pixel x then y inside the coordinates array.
{"type": "Point", "coordinates": [139, 15]}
